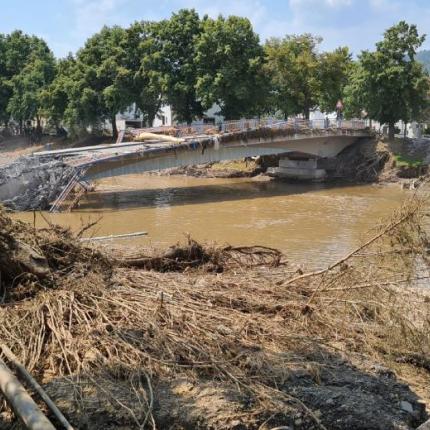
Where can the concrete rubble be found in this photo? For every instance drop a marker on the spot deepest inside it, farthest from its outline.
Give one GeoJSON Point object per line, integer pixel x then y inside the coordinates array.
{"type": "Point", "coordinates": [31, 183]}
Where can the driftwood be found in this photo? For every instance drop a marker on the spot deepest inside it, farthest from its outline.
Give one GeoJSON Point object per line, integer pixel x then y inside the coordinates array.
{"type": "Point", "coordinates": [36, 387]}
{"type": "Point", "coordinates": [114, 236]}
{"type": "Point", "coordinates": [21, 402]}
{"type": "Point", "coordinates": [106, 319]}
{"type": "Point", "coordinates": [17, 257]}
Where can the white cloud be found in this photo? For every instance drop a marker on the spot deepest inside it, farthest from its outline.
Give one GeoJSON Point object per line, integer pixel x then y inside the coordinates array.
{"type": "Point", "coordinates": [355, 23]}
{"type": "Point", "coordinates": [257, 11]}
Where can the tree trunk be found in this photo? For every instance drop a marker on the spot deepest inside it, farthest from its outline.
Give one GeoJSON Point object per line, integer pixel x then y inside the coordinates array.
{"type": "Point", "coordinates": [38, 125]}
{"type": "Point", "coordinates": [20, 126]}
{"type": "Point", "coordinates": [405, 130]}
{"type": "Point", "coordinates": [306, 112]}
{"type": "Point", "coordinates": [114, 128]}
{"type": "Point", "coordinates": [391, 131]}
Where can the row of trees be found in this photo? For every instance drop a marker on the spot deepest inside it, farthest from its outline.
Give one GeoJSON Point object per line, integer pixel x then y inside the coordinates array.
{"type": "Point", "coordinates": [192, 63]}
{"type": "Point", "coordinates": [389, 84]}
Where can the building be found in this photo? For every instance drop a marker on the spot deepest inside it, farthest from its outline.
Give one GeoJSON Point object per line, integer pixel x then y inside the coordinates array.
{"type": "Point", "coordinates": [132, 118]}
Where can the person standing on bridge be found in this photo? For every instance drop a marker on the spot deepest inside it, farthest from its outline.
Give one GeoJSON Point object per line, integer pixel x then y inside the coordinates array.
{"type": "Point", "coordinates": [339, 112]}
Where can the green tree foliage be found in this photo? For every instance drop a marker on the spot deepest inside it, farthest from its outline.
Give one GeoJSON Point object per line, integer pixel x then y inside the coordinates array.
{"type": "Point", "coordinates": [229, 60]}
{"type": "Point", "coordinates": [292, 65]}
{"type": "Point", "coordinates": [28, 86]}
{"type": "Point", "coordinates": [389, 84]}
{"type": "Point", "coordinates": [176, 41]}
{"type": "Point", "coordinates": [27, 67]}
{"type": "Point", "coordinates": [5, 90]}
{"type": "Point", "coordinates": [303, 79]}
{"type": "Point", "coordinates": [103, 77]}
{"type": "Point", "coordinates": [145, 63]}
{"type": "Point", "coordinates": [334, 70]}
{"type": "Point", "coordinates": [192, 63]}
{"type": "Point", "coordinates": [59, 99]}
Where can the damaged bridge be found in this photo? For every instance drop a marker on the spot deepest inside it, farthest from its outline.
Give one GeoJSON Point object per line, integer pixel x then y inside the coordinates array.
{"type": "Point", "coordinates": [302, 144]}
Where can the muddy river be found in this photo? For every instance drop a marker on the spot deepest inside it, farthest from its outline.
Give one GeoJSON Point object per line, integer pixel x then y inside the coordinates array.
{"type": "Point", "coordinates": [313, 224]}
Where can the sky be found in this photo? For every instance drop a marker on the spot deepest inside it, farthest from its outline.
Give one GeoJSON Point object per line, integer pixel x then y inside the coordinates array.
{"type": "Point", "coordinates": [66, 24]}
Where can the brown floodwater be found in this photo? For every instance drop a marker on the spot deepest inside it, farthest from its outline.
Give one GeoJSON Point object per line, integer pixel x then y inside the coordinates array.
{"type": "Point", "coordinates": [313, 224]}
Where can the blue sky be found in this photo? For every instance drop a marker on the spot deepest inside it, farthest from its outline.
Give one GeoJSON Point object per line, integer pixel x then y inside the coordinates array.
{"type": "Point", "coordinates": [66, 24]}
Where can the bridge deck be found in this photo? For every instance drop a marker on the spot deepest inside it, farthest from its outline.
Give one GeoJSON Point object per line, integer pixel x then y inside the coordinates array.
{"type": "Point", "coordinates": [198, 146]}
{"type": "Point", "coordinates": [290, 130]}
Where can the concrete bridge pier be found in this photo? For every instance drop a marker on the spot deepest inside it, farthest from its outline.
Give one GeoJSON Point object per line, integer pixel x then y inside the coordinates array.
{"type": "Point", "coordinates": [300, 169]}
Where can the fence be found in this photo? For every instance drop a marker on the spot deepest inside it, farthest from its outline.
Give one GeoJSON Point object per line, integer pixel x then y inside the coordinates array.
{"type": "Point", "coordinates": [252, 124]}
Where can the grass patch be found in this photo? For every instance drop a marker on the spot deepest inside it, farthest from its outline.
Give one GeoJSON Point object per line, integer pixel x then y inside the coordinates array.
{"type": "Point", "coordinates": [408, 161]}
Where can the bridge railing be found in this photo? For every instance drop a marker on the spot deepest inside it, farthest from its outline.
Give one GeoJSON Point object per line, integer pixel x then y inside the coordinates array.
{"type": "Point", "coordinates": [252, 124]}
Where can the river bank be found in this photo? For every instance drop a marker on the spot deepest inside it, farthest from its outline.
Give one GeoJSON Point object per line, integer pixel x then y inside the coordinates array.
{"type": "Point", "coordinates": [375, 160]}
{"type": "Point", "coordinates": [221, 337]}
{"type": "Point", "coordinates": [28, 183]}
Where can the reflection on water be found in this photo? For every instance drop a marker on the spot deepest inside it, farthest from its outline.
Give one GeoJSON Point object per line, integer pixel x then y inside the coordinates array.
{"type": "Point", "coordinates": [313, 224]}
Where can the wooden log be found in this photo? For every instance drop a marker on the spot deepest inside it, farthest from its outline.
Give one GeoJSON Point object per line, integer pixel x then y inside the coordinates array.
{"type": "Point", "coordinates": [21, 402]}
{"type": "Point", "coordinates": [36, 387]}
{"type": "Point", "coordinates": [115, 236]}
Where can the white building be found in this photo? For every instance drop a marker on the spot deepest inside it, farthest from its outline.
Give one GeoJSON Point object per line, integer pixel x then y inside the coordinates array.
{"type": "Point", "coordinates": [131, 117]}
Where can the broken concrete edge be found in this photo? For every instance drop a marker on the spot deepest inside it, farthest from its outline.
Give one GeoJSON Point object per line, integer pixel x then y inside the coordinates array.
{"type": "Point", "coordinates": [424, 426]}
{"type": "Point", "coordinates": [30, 183]}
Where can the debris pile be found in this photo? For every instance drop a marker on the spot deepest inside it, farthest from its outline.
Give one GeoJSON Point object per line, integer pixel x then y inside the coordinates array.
{"type": "Point", "coordinates": [166, 341]}
{"type": "Point", "coordinates": [364, 162]}
{"type": "Point", "coordinates": [210, 258]}
{"type": "Point", "coordinates": [29, 183]}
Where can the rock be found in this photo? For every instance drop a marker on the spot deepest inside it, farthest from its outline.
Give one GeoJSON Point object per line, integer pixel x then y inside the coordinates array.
{"type": "Point", "coordinates": [383, 371]}
{"type": "Point", "coordinates": [425, 426]}
{"type": "Point", "coordinates": [406, 406]}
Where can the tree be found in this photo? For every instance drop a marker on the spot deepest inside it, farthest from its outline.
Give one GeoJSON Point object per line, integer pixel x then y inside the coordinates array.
{"type": "Point", "coordinates": [28, 86]}
{"type": "Point", "coordinates": [229, 60]}
{"type": "Point", "coordinates": [27, 66]}
{"type": "Point", "coordinates": [175, 41]}
{"type": "Point", "coordinates": [57, 97]}
{"type": "Point", "coordinates": [389, 83]}
{"type": "Point", "coordinates": [292, 66]}
{"type": "Point", "coordinates": [103, 79]}
{"type": "Point", "coordinates": [5, 90]}
{"type": "Point", "coordinates": [145, 63]}
{"type": "Point", "coordinates": [334, 69]}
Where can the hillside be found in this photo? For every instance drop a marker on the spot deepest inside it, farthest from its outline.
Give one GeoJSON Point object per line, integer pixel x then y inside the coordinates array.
{"type": "Point", "coordinates": [424, 57]}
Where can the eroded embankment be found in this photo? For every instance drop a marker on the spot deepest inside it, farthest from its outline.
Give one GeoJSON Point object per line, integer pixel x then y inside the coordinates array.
{"type": "Point", "coordinates": [32, 184]}
{"type": "Point", "coordinates": [372, 160]}
{"type": "Point", "coordinates": [225, 338]}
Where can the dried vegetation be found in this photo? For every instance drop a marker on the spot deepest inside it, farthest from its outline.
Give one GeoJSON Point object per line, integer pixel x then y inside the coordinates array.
{"type": "Point", "coordinates": [168, 341]}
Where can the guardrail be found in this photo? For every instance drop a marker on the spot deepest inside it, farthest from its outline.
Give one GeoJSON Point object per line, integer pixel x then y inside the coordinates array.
{"type": "Point", "coordinates": [252, 124]}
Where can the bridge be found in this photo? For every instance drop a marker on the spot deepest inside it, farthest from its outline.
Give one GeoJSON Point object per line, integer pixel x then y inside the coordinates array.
{"type": "Point", "coordinates": [303, 144]}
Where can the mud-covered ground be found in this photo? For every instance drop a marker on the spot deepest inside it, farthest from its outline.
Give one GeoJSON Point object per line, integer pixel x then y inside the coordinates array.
{"type": "Point", "coordinates": [228, 169]}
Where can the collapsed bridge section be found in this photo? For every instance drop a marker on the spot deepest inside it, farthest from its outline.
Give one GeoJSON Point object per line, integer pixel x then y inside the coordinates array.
{"type": "Point", "coordinates": [197, 145]}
